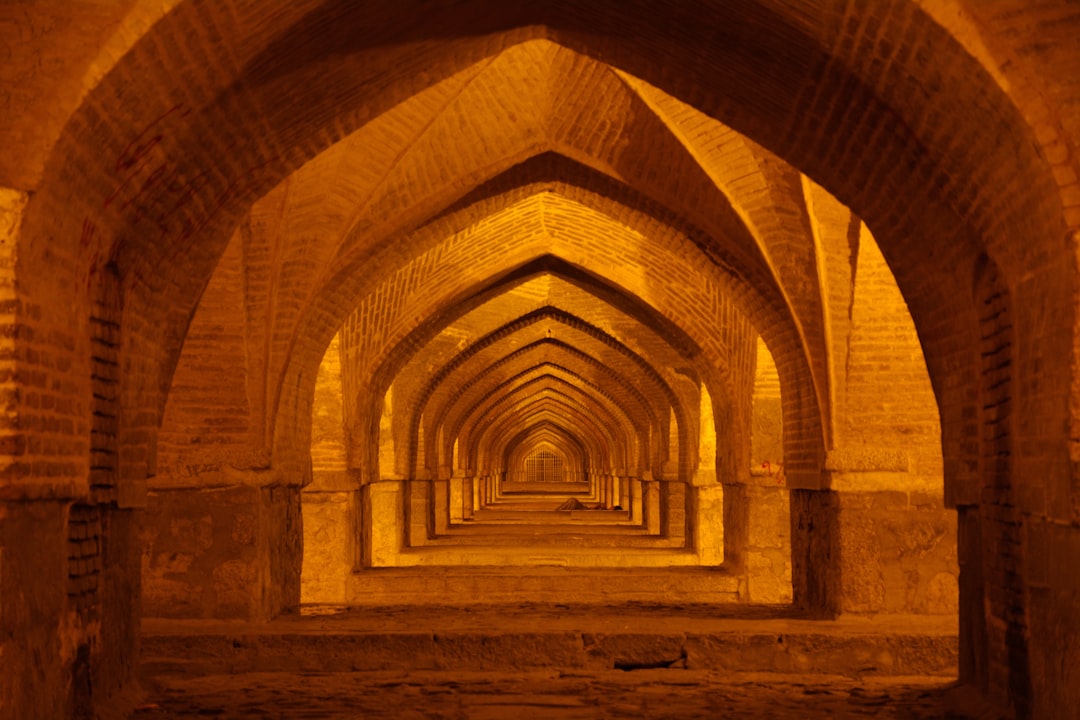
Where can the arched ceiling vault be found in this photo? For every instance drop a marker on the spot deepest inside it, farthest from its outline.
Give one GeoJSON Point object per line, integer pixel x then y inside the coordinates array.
{"type": "Point", "coordinates": [638, 391]}
{"type": "Point", "coordinates": [640, 326]}
{"type": "Point", "coordinates": [553, 222]}
{"type": "Point", "coordinates": [623, 436]}
{"type": "Point", "coordinates": [680, 292]}
{"type": "Point", "coordinates": [165, 237]}
{"type": "Point", "coordinates": [552, 438]}
{"type": "Point", "coordinates": [532, 295]}
{"type": "Point", "coordinates": [479, 216]}
{"type": "Point", "coordinates": [632, 428]}
{"type": "Point", "coordinates": [494, 434]}
{"type": "Point", "coordinates": [498, 431]}
{"type": "Point", "coordinates": [545, 324]}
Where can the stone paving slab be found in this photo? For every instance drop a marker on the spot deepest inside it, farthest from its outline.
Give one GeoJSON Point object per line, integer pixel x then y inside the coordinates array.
{"type": "Point", "coordinates": [671, 694]}
{"type": "Point", "coordinates": [432, 586]}
{"type": "Point", "coordinates": [532, 636]}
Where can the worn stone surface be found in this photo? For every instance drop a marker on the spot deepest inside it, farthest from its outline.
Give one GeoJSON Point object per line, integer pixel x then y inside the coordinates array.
{"type": "Point", "coordinates": [37, 637]}
{"type": "Point", "coordinates": [230, 552]}
{"type": "Point", "coordinates": [633, 660]}
{"type": "Point", "coordinates": [897, 553]}
{"type": "Point", "coordinates": [327, 550]}
{"type": "Point", "coordinates": [439, 585]}
{"type": "Point", "coordinates": [581, 694]}
{"type": "Point", "coordinates": [815, 551]}
{"type": "Point", "coordinates": [478, 636]}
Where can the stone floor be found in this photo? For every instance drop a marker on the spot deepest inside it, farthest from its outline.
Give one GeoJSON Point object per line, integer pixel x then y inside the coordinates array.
{"type": "Point", "coordinates": [539, 660]}
{"type": "Point", "coordinates": [555, 695]}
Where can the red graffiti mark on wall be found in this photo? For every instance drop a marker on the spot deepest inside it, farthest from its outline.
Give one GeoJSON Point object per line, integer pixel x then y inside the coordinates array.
{"type": "Point", "coordinates": [89, 232]}
{"type": "Point", "coordinates": [771, 471]}
{"type": "Point", "coordinates": [88, 247]}
{"type": "Point", "coordinates": [136, 157]}
{"type": "Point", "coordinates": [91, 252]}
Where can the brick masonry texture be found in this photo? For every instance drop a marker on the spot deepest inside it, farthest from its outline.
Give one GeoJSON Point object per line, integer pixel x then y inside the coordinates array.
{"type": "Point", "coordinates": [792, 284]}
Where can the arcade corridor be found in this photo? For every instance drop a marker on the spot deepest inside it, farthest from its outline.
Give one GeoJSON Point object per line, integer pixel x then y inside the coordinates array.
{"type": "Point", "coordinates": [480, 359]}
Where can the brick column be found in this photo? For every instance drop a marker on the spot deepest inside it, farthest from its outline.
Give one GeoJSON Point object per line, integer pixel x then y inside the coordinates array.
{"type": "Point", "coordinates": [44, 452]}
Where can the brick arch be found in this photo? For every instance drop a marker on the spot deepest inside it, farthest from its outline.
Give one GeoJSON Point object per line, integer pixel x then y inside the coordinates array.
{"type": "Point", "coordinates": [532, 355]}
{"type": "Point", "coordinates": [721, 392]}
{"type": "Point", "coordinates": [550, 406]}
{"type": "Point", "coordinates": [470, 242]}
{"type": "Point", "coordinates": [791, 105]}
{"type": "Point", "coordinates": [395, 194]}
{"type": "Point", "coordinates": [502, 429]}
{"type": "Point", "coordinates": [767, 309]}
{"type": "Point", "coordinates": [582, 336]}
{"type": "Point", "coordinates": [635, 384]}
{"type": "Point", "coordinates": [632, 428]}
{"type": "Point", "coordinates": [533, 294]}
{"type": "Point", "coordinates": [557, 177]}
{"type": "Point", "coordinates": [542, 437]}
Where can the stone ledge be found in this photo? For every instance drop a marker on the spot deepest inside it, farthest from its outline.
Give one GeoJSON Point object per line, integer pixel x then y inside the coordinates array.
{"type": "Point", "coordinates": [467, 640]}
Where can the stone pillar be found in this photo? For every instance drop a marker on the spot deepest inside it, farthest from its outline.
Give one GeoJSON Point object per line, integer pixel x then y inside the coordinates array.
{"type": "Point", "coordinates": [332, 535]}
{"type": "Point", "coordinates": [33, 602]}
{"type": "Point", "coordinates": [708, 529]}
{"type": "Point", "coordinates": [637, 501]}
{"type": "Point", "coordinates": [469, 496]}
{"type": "Point", "coordinates": [625, 483]}
{"type": "Point", "coordinates": [1053, 550]}
{"type": "Point", "coordinates": [815, 553]}
{"type": "Point", "coordinates": [897, 553]}
{"type": "Point", "coordinates": [766, 535]}
{"type": "Point", "coordinates": [651, 506]}
{"type": "Point", "coordinates": [897, 542]}
{"type": "Point", "coordinates": [673, 500]}
{"type": "Point", "coordinates": [115, 662]}
{"type": "Point", "coordinates": [456, 497]}
{"type": "Point", "coordinates": [440, 512]}
{"type": "Point", "coordinates": [972, 600]}
{"type": "Point", "coordinates": [224, 552]}
{"type": "Point", "coordinates": [382, 518]}
{"type": "Point", "coordinates": [419, 522]}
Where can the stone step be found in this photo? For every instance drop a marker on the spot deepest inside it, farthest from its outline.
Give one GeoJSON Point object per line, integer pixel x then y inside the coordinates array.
{"type": "Point", "coordinates": [550, 515]}
{"type": "Point", "coordinates": [441, 585]}
{"type": "Point", "coordinates": [525, 538]}
{"type": "Point", "coordinates": [517, 638]}
{"type": "Point", "coordinates": [567, 489]}
{"type": "Point", "coordinates": [587, 557]}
